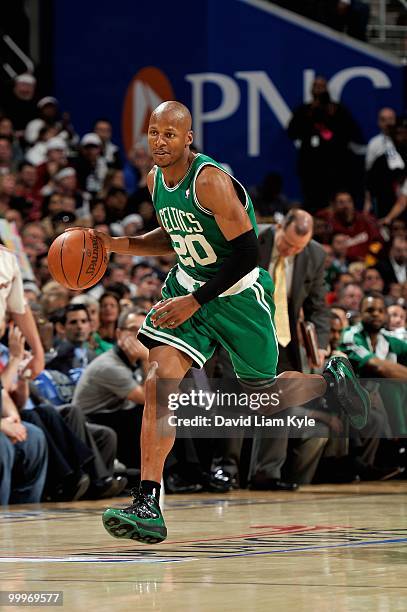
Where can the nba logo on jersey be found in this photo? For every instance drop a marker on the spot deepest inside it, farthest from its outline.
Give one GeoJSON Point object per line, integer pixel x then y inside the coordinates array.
{"type": "Point", "coordinates": [148, 88]}
{"type": "Point", "coordinates": [187, 193]}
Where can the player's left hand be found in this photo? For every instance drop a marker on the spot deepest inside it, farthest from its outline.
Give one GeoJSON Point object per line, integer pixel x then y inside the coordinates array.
{"type": "Point", "coordinates": [175, 311]}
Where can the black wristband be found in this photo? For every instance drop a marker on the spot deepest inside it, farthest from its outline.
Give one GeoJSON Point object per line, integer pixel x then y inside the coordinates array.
{"type": "Point", "coordinates": [240, 262]}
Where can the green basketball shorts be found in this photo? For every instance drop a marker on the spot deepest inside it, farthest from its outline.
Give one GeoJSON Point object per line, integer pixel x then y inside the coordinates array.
{"type": "Point", "coordinates": [242, 323]}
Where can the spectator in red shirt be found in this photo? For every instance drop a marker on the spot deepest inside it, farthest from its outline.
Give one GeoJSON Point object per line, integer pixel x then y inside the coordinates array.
{"type": "Point", "coordinates": [342, 218]}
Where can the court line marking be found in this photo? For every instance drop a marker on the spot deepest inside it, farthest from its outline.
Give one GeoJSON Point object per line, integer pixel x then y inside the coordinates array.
{"type": "Point", "coordinates": [178, 560]}
{"type": "Point", "coordinates": [277, 530]}
{"type": "Point", "coordinates": [95, 560]}
{"type": "Point", "coordinates": [86, 512]}
{"type": "Point", "coordinates": [311, 548]}
{"type": "Point", "coordinates": [153, 580]}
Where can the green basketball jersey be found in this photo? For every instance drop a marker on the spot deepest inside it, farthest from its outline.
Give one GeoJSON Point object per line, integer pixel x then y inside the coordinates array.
{"type": "Point", "coordinates": [196, 238]}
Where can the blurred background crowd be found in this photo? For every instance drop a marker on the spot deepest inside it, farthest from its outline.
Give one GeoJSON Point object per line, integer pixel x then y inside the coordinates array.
{"type": "Point", "coordinates": [86, 405]}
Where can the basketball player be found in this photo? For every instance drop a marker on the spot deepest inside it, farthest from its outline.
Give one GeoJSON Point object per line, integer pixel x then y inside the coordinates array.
{"type": "Point", "coordinates": [215, 294]}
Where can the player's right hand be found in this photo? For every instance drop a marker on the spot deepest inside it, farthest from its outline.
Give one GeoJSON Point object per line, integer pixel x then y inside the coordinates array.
{"type": "Point", "coordinates": [105, 238]}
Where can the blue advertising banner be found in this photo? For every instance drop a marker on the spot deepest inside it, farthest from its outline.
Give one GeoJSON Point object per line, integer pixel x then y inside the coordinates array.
{"type": "Point", "coordinates": [242, 66]}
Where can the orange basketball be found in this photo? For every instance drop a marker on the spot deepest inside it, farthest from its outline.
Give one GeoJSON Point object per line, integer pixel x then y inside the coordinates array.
{"type": "Point", "coordinates": [77, 260]}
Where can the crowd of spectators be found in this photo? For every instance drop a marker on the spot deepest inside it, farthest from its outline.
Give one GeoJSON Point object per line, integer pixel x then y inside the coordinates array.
{"type": "Point", "coordinates": [82, 413]}
{"type": "Point", "coordinates": [349, 16]}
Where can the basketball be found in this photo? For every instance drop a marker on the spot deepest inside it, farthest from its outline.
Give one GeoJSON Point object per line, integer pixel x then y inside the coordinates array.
{"type": "Point", "coordinates": [77, 260]}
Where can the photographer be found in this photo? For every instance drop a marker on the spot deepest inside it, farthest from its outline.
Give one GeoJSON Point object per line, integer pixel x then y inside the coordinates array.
{"type": "Point", "coordinates": [324, 131]}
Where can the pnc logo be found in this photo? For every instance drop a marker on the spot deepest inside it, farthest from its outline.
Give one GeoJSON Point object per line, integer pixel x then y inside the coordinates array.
{"type": "Point", "coordinates": [148, 88]}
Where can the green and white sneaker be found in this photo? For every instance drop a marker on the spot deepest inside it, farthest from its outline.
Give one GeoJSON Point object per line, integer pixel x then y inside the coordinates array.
{"type": "Point", "coordinates": [142, 521]}
{"type": "Point", "coordinates": [346, 390]}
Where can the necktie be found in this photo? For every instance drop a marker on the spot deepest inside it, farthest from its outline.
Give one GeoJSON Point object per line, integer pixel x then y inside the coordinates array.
{"type": "Point", "coordinates": [281, 319]}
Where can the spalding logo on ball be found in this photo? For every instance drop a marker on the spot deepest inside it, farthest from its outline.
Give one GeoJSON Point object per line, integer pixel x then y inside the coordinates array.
{"type": "Point", "coordinates": [77, 259]}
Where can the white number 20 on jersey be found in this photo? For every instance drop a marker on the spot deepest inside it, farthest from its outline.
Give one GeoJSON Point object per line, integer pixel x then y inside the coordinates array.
{"type": "Point", "coordinates": [187, 253]}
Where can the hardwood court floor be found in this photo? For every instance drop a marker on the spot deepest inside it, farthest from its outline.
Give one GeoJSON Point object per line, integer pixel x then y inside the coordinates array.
{"type": "Point", "coordinates": [323, 548]}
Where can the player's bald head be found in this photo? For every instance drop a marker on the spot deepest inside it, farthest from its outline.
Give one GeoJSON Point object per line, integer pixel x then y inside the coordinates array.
{"type": "Point", "coordinates": [170, 134]}
{"type": "Point", "coordinates": [173, 112]}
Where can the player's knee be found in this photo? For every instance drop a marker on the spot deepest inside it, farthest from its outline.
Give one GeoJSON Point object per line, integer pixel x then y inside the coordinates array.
{"type": "Point", "coordinates": [160, 369]}
{"type": "Point", "coordinates": [256, 385]}
{"type": "Point", "coordinates": [152, 371]}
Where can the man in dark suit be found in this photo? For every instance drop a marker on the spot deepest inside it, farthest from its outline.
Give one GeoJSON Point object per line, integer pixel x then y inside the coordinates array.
{"type": "Point", "coordinates": [290, 247]}
{"type": "Point", "coordinates": [304, 265]}
{"type": "Point", "coordinates": [73, 352]}
{"type": "Point", "coordinates": [393, 269]}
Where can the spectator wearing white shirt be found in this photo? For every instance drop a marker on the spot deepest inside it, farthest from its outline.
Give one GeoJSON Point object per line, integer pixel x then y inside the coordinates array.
{"type": "Point", "coordinates": [12, 301]}
{"type": "Point", "coordinates": [19, 444]}
{"type": "Point", "coordinates": [386, 179]}
{"type": "Point", "coordinates": [378, 145]}
{"type": "Point", "coordinates": [37, 154]}
{"type": "Point", "coordinates": [48, 115]}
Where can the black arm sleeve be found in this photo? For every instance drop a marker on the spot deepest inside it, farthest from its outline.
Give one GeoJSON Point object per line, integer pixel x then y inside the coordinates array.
{"type": "Point", "coordinates": [242, 260]}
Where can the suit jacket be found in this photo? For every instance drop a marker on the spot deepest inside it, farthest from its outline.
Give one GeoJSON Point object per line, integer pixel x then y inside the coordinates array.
{"type": "Point", "coordinates": [307, 292]}
{"type": "Point", "coordinates": [387, 273]}
{"type": "Point", "coordinates": [64, 359]}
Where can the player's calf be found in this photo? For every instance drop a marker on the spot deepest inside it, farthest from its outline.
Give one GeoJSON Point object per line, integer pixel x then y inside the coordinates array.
{"type": "Point", "coordinates": [143, 520]}
{"type": "Point", "coordinates": [287, 390]}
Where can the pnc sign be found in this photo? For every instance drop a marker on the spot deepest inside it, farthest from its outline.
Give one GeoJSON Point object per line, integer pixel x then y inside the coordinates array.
{"type": "Point", "coordinates": [150, 87]}
{"type": "Point", "coordinates": [241, 89]}
{"type": "Point", "coordinates": [261, 91]}
{"type": "Point", "coordinates": [147, 90]}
